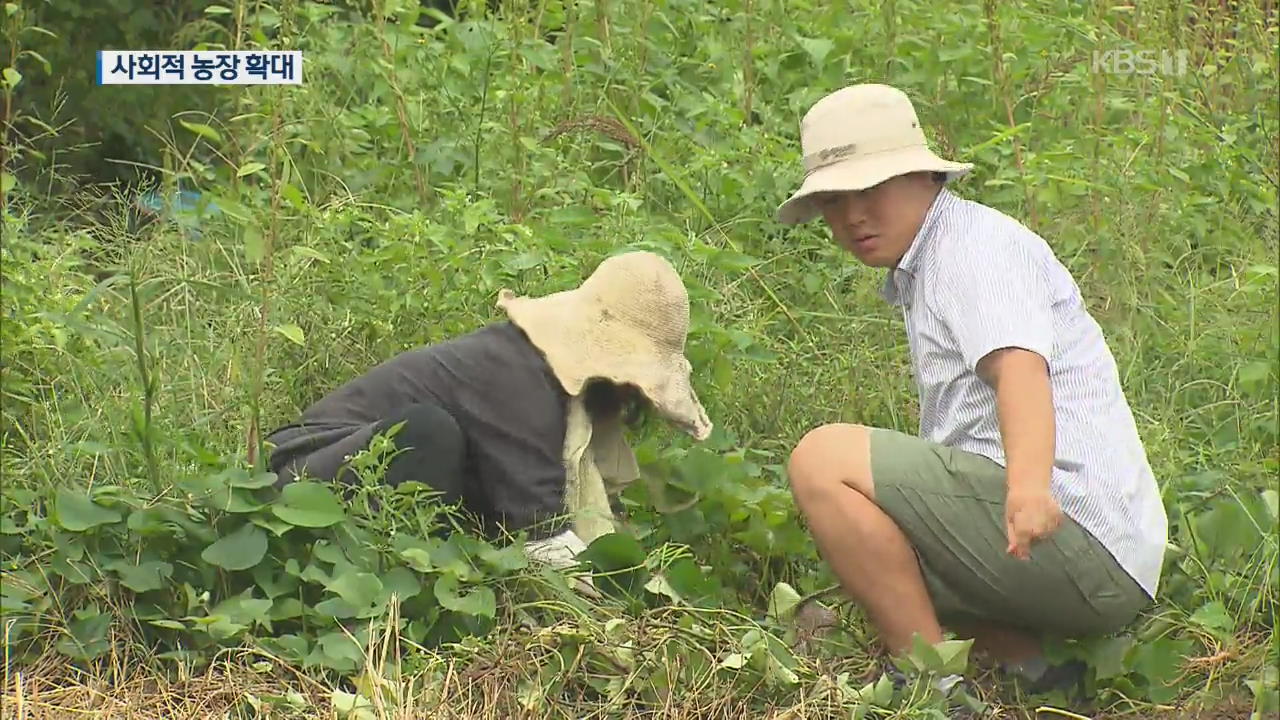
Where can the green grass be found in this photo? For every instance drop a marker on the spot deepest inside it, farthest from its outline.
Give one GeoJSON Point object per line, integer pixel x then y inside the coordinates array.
{"type": "Point", "coordinates": [531, 163]}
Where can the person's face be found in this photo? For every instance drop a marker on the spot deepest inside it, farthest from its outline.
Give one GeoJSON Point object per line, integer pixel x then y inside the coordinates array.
{"type": "Point", "coordinates": [878, 224]}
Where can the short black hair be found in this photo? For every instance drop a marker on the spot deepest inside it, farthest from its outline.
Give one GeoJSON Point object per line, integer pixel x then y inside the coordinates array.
{"type": "Point", "coordinates": [604, 400]}
{"type": "Point", "coordinates": [939, 177]}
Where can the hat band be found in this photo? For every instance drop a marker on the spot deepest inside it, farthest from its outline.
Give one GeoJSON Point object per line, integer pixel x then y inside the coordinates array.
{"type": "Point", "coordinates": [832, 155]}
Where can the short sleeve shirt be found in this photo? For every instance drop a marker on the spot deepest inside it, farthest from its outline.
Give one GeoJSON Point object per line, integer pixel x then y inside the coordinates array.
{"type": "Point", "coordinates": [974, 280]}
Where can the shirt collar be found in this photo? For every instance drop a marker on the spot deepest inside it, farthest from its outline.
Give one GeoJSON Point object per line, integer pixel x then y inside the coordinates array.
{"type": "Point", "coordinates": [905, 271]}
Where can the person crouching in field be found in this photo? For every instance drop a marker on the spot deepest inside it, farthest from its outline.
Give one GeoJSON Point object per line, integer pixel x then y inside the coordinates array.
{"type": "Point", "coordinates": [520, 422]}
{"type": "Point", "coordinates": [1026, 508]}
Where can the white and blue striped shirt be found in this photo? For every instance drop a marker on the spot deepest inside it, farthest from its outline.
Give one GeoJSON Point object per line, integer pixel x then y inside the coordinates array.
{"type": "Point", "coordinates": [975, 280]}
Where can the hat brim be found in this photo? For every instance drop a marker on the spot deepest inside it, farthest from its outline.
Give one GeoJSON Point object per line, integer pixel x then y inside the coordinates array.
{"type": "Point", "coordinates": [860, 173]}
{"type": "Point", "coordinates": [571, 344]}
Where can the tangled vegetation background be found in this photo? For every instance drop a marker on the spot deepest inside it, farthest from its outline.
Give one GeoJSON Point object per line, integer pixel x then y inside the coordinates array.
{"type": "Point", "coordinates": [184, 267]}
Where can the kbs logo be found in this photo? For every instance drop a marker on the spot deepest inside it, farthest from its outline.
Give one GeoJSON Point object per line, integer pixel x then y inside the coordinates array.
{"type": "Point", "coordinates": [1140, 62]}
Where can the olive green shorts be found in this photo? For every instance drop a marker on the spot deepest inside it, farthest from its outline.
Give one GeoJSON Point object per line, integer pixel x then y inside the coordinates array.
{"type": "Point", "coordinates": [950, 505]}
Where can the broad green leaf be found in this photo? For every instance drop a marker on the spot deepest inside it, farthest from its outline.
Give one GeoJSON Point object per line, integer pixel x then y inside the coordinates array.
{"type": "Point", "coordinates": [308, 504]}
{"type": "Point", "coordinates": [402, 583]}
{"type": "Point", "coordinates": [924, 656]}
{"type": "Point", "coordinates": [217, 492]}
{"type": "Point", "coordinates": [243, 609]}
{"type": "Point", "coordinates": [12, 77]}
{"type": "Point", "coordinates": [504, 560]}
{"type": "Point", "coordinates": [357, 588]}
{"type": "Point", "coordinates": [76, 512]}
{"type": "Point", "coordinates": [339, 652]}
{"type": "Point", "coordinates": [255, 250]}
{"type": "Point", "coordinates": [273, 582]}
{"type": "Point", "coordinates": [687, 579]}
{"type": "Point", "coordinates": [249, 168]}
{"type": "Point", "coordinates": [480, 601]}
{"type": "Point", "coordinates": [234, 500]}
{"type": "Point", "coordinates": [817, 48]}
{"type": "Point", "coordinates": [314, 574]}
{"type": "Point", "coordinates": [294, 196]}
{"type": "Point", "coordinates": [336, 607]}
{"type": "Point", "coordinates": [148, 576]}
{"type": "Point", "coordinates": [86, 636]}
{"type": "Point", "coordinates": [658, 585]}
{"type": "Point", "coordinates": [292, 333]}
{"type": "Point", "coordinates": [1160, 662]}
{"type": "Point", "coordinates": [882, 694]}
{"type": "Point", "coordinates": [1214, 616]}
{"type": "Point", "coordinates": [722, 371]}
{"type": "Point", "coordinates": [1108, 657]}
{"type": "Point", "coordinates": [202, 130]}
{"type": "Point", "coordinates": [418, 559]}
{"type": "Point", "coordinates": [615, 551]}
{"type": "Point", "coordinates": [220, 627]}
{"type": "Point", "coordinates": [7, 182]}
{"type": "Point", "coordinates": [232, 208]}
{"type": "Point", "coordinates": [239, 550]}
{"type": "Point", "coordinates": [1226, 529]}
{"type": "Point", "coordinates": [243, 479]}
{"type": "Point", "coordinates": [290, 647]}
{"type": "Point", "coordinates": [782, 601]}
{"type": "Point", "coordinates": [451, 558]}
{"type": "Point", "coordinates": [326, 551]}
{"type": "Point", "coordinates": [75, 572]}
{"type": "Point", "coordinates": [156, 520]}
{"type": "Point", "coordinates": [954, 655]}
{"type": "Point", "coordinates": [269, 522]}
{"type": "Point", "coordinates": [349, 706]}
{"type": "Point", "coordinates": [287, 608]}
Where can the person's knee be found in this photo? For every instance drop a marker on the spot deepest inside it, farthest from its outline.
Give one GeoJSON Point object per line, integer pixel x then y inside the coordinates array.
{"type": "Point", "coordinates": [426, 428]}
{"type": "Point", "coordinates": [428, 447]}
{"type": "Point", "coordinates": [829, 458]}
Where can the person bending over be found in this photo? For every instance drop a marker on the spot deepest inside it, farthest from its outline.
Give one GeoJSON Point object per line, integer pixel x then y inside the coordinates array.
{"type": "Point", "coordinates": [520, 422]}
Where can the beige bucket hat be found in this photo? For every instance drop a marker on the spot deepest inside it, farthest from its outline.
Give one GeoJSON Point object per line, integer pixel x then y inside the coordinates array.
{"type": "Point", "coordinates": [857, 137]}
{"type": "Point", "coordinates": [626, 323]}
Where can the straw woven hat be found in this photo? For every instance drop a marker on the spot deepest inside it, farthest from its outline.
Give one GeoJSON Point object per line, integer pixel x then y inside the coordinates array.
{"type": "Point", "coordinates": [626, 323]}
{"type": "Point", "coordinates": [858, 137]}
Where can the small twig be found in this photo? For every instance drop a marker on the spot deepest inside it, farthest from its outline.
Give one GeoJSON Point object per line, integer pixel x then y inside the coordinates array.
{"type": "Point", "coordinates": [1063, 713]}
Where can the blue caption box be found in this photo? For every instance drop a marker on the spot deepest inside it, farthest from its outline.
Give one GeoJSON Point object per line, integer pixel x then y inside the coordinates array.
{"type": "Point", "coordinates": [199, 67]}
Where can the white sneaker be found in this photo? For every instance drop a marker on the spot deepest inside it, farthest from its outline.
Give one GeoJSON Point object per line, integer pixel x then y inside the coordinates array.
{"type": "Point", "coordinates": [559, 552]}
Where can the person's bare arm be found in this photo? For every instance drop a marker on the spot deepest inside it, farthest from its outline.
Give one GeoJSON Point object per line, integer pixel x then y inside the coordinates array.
{"type": "Point", "coordinates": [1024, 407]}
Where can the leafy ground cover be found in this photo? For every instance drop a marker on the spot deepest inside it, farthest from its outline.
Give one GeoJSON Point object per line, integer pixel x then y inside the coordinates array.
{"type": "Point", "coordinates": [150, 571]}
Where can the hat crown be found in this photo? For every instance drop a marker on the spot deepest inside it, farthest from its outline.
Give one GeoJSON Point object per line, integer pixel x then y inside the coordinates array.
{"type": "Point", "coordinates": [625, 323]}
{"type": "Point", "coordinates": [641, 290]}
{"type": "Point", "coordinates": [858, 120]}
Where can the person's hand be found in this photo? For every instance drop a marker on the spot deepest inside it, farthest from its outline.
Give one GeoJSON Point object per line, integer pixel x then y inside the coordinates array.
{"type": "Point", "coordinates": [1029, 515]}
{"type": "Point", "coordinates": [561, 552]}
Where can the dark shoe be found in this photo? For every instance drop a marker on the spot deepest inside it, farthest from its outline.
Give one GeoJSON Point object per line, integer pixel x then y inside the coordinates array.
{"type": "Point", "coordinates": [1067, 678]}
